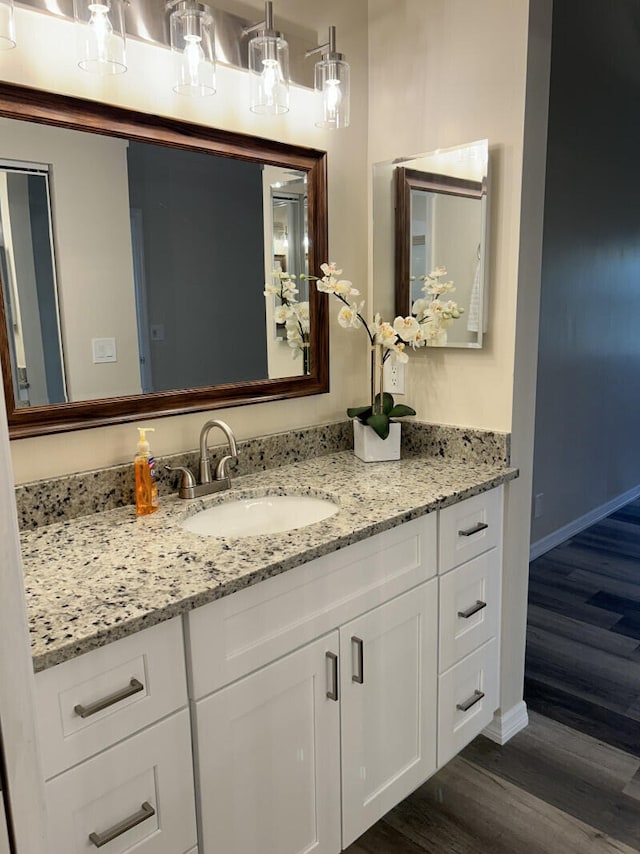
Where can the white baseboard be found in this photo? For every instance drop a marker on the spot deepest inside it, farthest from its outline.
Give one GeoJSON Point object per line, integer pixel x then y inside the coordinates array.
{"type": "Point", "coordinates": [504, 726]}
{"type": "Point", "coordinates": [554, 539]}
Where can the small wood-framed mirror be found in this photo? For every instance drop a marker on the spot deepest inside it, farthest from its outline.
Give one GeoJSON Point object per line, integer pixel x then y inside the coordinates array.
{"type": "Point", "coordinates": [134, 252]}
{"type": "Point", "coordinates": [431, 211]}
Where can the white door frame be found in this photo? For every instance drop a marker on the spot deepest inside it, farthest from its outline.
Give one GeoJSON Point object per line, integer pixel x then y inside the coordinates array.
{"type": "Point", "coordinates": [25, 781]}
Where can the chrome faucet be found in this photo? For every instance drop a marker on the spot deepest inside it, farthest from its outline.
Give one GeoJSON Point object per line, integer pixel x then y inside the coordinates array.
{"type": "Point", "coordinates": [221, 479]}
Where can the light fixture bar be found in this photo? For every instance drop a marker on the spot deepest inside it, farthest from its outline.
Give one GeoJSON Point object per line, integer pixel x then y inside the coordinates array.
{"type": "Point", "coordinates": [146, 20]}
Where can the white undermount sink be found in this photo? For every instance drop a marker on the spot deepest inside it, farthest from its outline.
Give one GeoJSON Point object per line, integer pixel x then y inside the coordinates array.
{"type": "Point", "coordinates": [267, 514]}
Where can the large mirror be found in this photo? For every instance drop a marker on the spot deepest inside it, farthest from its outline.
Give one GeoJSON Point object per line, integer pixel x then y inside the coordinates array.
{"type": "Point", "coordinates": [430, 211]}
{"type": "Point", "coordinates": [134, 254]}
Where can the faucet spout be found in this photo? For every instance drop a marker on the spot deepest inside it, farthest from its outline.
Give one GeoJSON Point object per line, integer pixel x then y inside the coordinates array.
{"type": "Point", "coordinates": [205, 464]}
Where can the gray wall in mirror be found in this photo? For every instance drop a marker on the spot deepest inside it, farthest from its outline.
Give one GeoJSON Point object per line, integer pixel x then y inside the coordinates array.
{"type": "Point", "coordinates": [160, 252]}
{"type": "Point", "coordinates": [200, 221]}
{"type": "Point", "coordinates": [446, 230]}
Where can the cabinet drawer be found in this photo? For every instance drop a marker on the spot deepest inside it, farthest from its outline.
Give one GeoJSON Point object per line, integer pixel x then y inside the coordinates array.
{"type": "Point", "coordinates": [141, 791]}
{"type": "Point", "coordinates": [240, 633]}
{"type": "Point", "coordinates": [467, 699]}
{"type": "Point", "coordinates": [470, 528]}
{"type": "Point", "coordinates": [93, 701]}
{"type": "Point", "coordinates": [469, 607]}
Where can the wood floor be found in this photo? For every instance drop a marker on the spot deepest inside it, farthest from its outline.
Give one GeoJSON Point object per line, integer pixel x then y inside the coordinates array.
{"type": "Point", "coordinates": [550, 790]}
{"type": "Point", "coordinates": [583, 639]}
{"type": "Point", "coordinates": [570, 782]}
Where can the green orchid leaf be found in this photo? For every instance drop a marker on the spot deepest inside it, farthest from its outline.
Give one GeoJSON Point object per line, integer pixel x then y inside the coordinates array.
{"type": "Point", "coordinates": [379, 423]}
{"type": "Point", "coordinates": [387, 403]}
{"type": "Point", "coordinates": [360, 412]}
{"type": "Point", "coordinates": [400, 410]}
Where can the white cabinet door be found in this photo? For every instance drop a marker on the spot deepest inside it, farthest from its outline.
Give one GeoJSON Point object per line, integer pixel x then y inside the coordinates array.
{"type": "Point", "coordinates": [388, 699]}
{"type": "Point", "coordinates": [269, 759]}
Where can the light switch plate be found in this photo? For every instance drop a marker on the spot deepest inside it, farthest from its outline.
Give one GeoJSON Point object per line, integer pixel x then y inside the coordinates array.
{"type": "Point", "coordinates": [104, 350]}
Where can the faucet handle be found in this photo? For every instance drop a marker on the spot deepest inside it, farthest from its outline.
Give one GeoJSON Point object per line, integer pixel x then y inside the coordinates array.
{"type": "Point", "coordinates": [222, 469]}
{"type": "Point", "coordinates": [187, 481]}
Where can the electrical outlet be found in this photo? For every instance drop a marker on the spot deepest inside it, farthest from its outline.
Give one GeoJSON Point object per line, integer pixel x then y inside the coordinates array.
{"type": "Point", "coordinates": [393, 377]}
{"type": "Point", "coordinates": [538, 505]}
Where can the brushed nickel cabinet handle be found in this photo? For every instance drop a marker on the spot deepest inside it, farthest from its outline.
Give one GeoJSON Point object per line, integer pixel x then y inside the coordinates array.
{"type": "Point", "coordinates": [469, 532]}
{"type": "Point", "coordinates": [464, 707]}
{"type": "Point", "coordinates": [332, 693]}
{"type": "Point", "coordinates": [134, 687]}
{"type": "Point", "coordinates": [359, 676]}
{"type": "Point", "coordinates": [472, 610]}
{"type": "Point", "coordinates": [100, 839]}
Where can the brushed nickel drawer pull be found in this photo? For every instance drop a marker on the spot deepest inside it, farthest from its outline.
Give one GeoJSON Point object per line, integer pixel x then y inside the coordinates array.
{"type": "Point", "coordinates": [464, 707]}
{"type": "Point", "coordinates": [472, 610]}
{"type": "Point", "coordinates": [134, 687]}
{"type": "Point", "coordinates": [469, 532]}
{"type": "Point", "coordinates": [332, 693]}
{"type": "Point", "coordinates": [100, 839]}
{"type": "Point", "coordinates": [359, 676]}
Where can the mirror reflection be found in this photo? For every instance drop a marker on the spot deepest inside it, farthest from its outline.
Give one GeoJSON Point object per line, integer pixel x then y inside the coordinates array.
{"type": "Point", "coordinates": [130, 267]}
{"type": "Point", "coordinates": [430, 212]}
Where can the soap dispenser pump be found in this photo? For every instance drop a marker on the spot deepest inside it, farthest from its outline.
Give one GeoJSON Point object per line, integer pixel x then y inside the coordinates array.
{"type": "Point", "coordinates": [145, 470]}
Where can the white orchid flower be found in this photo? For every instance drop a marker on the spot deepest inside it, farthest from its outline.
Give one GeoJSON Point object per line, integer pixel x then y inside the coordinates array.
{"type": "Point", "coordinates": [406, 327]}
{"type": "Point", "coordinates": [348, 316]}
{"type": "Point", "coordinates": [282, 313]}
{"type": "Point", "coordinates": [419, 308]}
{"type": "Point", "coordinates": [453, 309]}
{"type": "Point", "coordinates": [419, 340]}
{"type": "Point", "coordinates": [385, 334]}
{"type": "Point", "coordinates": [302, 314]}
{"type": "Point", "coordinates": [346, 289]}
{"type": "Point", "coordinates": [398, 354]}
{"type": "Point", "coordinates": [330, 270]}
{"type": "Point", "coordinates": [327, 285]}
{"type": "Point", "coordinates": [439, 271]}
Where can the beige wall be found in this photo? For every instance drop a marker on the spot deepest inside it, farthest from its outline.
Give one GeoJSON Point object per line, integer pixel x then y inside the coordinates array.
{"type": "Point", "coordinates": [443, 73]}
{"type": "Point", "coordinates": [147, 86]}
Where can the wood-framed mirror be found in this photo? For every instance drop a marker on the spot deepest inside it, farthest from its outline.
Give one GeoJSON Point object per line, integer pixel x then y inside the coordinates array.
{"type": "Point", "coordinates": [442, 216]}
{"type": "Point", "coordinates": [134, 251]}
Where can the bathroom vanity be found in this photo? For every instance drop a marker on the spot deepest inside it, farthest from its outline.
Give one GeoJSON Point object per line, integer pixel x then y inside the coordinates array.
{"type": "Point", "coordinates": [275, 694]}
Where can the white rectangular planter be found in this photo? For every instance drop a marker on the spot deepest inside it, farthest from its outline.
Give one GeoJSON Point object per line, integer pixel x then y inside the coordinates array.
{"type": "Point", "coordinates": [370, 448]}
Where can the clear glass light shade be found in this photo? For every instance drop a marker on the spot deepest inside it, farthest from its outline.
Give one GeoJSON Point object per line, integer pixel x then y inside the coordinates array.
{"type": "Point", "coordinates": [269, 74]}
{"type": "Point", "coordinates": [193, 49]}
{"type": "Point", "coordinates": [332, 81]}
{"type": "Point", "coordinates": [7, 25]}
{"type": "Point", "coordinates": [101, 36]}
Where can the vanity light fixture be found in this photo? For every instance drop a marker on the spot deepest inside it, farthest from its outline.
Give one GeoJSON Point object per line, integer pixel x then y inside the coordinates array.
{"type": "Point", "coordinates": [193, 47]}
{"type": "Point", "coordinates": [101, 35]}
{"type": "Point", "coordinates": [7, 25]}
{"type": "Point", "coordinates": [268, 67]}
{"type": "Point", "coordinates": [332, 83]}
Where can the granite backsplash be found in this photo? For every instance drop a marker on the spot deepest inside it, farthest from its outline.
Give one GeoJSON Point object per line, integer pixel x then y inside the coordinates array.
{"type": "Point", "coordinates": [58, 499]}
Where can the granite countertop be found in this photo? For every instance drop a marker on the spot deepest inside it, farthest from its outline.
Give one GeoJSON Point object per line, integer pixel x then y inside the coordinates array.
{"type": "Point", "coordinates": [94, 579]}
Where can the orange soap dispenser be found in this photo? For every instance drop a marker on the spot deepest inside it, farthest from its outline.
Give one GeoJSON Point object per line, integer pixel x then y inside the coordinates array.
{"type": "Point", "coordinates": [145, 468]}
